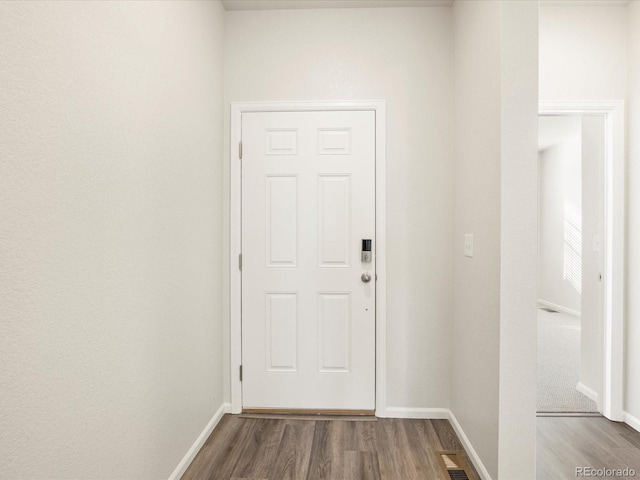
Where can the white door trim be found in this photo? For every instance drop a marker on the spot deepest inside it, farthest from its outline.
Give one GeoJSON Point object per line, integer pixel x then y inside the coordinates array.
{"type": "Point", "coordinates": [235, 234]}
{"type": "Point", "coordinates": [614, 284]}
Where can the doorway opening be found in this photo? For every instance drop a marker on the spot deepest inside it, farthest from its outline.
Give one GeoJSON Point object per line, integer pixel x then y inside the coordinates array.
{"type": "Point", "coordinates": [571, 159]}
{"type": "Point", "coordinates": [581, 250]}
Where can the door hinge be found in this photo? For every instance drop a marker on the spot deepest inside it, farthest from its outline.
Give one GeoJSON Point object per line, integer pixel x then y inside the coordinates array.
{"type": "Point", "coordinates": [240, 261]}
{"type": "Point", "coordinates": [240, 150]}
{"type": "Point", "coordinates": [240, 372]}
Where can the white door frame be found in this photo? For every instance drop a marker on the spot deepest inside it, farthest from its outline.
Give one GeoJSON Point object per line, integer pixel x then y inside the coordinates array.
{"type": "Point", "coordinates": [614, 270]}
{"type": "Point", "coordinates": [235, 233]}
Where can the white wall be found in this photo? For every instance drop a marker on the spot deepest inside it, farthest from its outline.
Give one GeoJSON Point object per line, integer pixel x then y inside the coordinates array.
{"type": "Point", "coordinates": [493, 373]}
{"type": "Point", "coordinates": [403, 56]}
{"type": "Point", "coordinates": [560, 256]}
{"type": "Point", "coordinates": [632, 400]}
{"type": "Point", "coordinates": [583, 52]}
{"type": "Point", "coordinates": [476, 311]}
{"type": "Point", "coordinates": [518, 239]}
{"type": "Point", "coordinates": [110, 242]}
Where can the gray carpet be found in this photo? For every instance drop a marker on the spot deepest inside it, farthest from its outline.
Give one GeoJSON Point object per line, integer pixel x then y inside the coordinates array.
{"type": "Point", "coordinates": [559, 364]}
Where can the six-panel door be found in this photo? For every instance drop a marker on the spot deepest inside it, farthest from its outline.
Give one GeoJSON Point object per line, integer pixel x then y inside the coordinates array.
{"type": "Point", "coordinates": [308, 318]}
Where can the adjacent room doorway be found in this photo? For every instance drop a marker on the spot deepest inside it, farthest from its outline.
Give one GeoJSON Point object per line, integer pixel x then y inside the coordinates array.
{"type": "Point", "coordinates": [581, 245]}
{"type": "Point", "coordinates": [571, 159]}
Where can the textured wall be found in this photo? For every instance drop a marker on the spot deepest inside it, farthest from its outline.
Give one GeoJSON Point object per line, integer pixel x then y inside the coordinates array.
{"type": "Point", "coordinates": [518, 239]}
{"type": "Point", "coordinates": [403, 56]}
{"type": "Point", "coordinates": [110, 243]}
{"type": "Point", "coordinates": [583, 52]}
{"type": "Point", "coordinates": [476, 305]}
{"type": "Point", "coordinates": [495, 197]}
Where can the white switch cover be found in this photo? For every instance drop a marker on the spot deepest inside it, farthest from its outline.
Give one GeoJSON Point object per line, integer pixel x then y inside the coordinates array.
{"type": "Point", "coordinates": [468, 245]}
{"type": "Point", "coordinates": [596, 243]}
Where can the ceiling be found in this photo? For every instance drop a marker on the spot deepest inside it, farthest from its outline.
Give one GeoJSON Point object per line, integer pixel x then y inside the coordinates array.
{"type": "Point", "coordinates": [298, 4]}
{"type": "Point", "coordinates": [287, 4]}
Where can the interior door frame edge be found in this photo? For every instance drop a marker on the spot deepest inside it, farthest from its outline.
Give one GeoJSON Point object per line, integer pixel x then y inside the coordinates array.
{"type": "Point", "coordinates": [615, 227]}
{"type": "Point", "coordinates": [234, 234]}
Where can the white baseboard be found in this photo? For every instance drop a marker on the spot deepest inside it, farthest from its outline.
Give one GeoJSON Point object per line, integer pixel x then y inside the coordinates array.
{"type": "Point", "coordinates": [587, 392]}
{"type": "Point", "coordinates": [632, 421]}
{"type": "Point", "coordinates": [559, 308]}
{"type": "Point", "coordinates": [427, 413]}
{"type": "Point", "coordinates": [197, 445]}
{"type": "Point", "coordinates": [475, 458]}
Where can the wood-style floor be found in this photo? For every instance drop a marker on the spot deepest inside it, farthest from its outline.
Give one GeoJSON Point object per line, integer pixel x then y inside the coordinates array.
{"type": "Point", "coordinates": [267, 449]}
{"type": "Point", "coordinates": [565, 443]}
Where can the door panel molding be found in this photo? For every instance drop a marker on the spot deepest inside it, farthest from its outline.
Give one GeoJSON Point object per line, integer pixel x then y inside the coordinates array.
{"type": "Point", "coordinates": [614, 244]}
{"type": "Point", "coordinates": [235, 231]}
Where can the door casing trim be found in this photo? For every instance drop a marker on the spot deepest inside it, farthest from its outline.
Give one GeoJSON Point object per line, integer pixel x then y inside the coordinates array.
{"type": "Point", "coordinates": [235, 234]}
{"type": "Point", "coordinates": [612, 402]}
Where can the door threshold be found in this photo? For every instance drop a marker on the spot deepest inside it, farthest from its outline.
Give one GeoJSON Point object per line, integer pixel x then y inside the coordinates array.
{"type": "Point", "coordinates": [308, 414]}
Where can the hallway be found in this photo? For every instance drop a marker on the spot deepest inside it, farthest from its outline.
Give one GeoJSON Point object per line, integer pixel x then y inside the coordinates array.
{"type": "Point", "coordinates": [121, 252]}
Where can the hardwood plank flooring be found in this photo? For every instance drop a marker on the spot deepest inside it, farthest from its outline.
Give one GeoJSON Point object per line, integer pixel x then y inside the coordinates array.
{"type": "Point", "coordinates": [292, 460]}
{"type": "Point", "coordinates": [566, 443]}
{"type": "Point", "coordinates": [290, 449]}
{"type": "Point", "coordinates": [261, 448]}
{"type": "Point", "coordinates": [327, 459]}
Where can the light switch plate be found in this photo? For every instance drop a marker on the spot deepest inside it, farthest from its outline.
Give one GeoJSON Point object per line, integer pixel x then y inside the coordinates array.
{"type": "Point", "coordinates": [468, 245]}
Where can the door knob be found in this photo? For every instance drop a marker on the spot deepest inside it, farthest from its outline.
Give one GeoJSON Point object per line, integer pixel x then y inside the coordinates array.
{"type": "Point", "coordinates": [366, 277]}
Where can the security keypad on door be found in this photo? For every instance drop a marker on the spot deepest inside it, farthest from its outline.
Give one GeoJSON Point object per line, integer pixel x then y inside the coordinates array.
{"type": "Point", "coordinates": [366, 250]}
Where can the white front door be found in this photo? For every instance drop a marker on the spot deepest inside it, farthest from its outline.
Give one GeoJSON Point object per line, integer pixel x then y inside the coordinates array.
{"type": "Point", "coordinates": [308, 315]}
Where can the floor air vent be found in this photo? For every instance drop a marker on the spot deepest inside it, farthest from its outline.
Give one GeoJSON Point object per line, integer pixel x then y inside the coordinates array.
{"type": "Point", "coordinates": [458, 475]}
{"type": "Point", "coordinates": [453, 465]}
